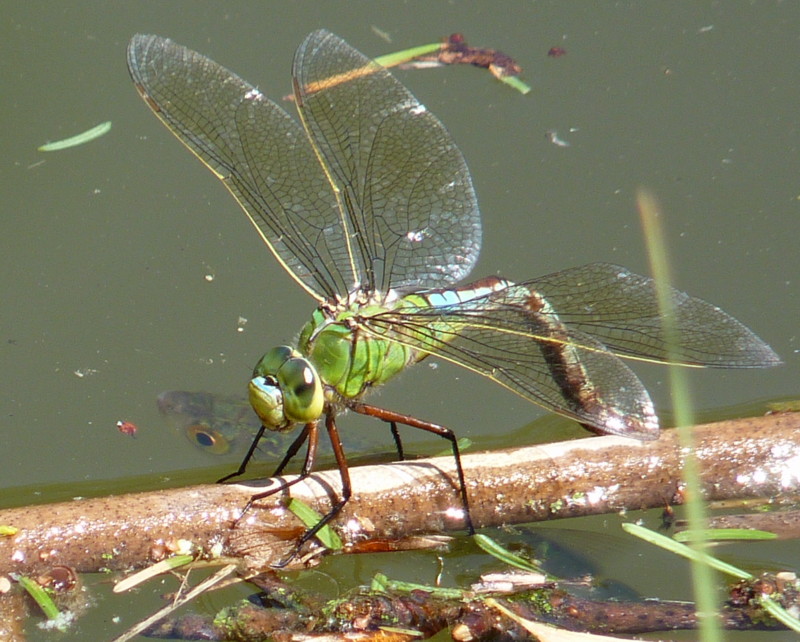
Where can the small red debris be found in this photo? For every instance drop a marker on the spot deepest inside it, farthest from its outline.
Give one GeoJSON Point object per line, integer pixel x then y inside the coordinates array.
{"type": "Point", "coordinates": [127, 428]}
{"type": "Point", "coordinates": [556, 52]}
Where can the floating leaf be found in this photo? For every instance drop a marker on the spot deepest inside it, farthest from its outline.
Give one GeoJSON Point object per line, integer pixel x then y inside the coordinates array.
{"type": "Point", "coordinates": [723, 534]}
{"type": "Point", "coordinates": [78, 139]}
{"type": "Point", "coordinates": [381, 583]}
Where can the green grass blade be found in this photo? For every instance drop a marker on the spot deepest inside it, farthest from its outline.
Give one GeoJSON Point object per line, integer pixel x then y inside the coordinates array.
{"type": "Point", "coordinates": [504, 555]}
{"type": "Point", "coordinates": [40, 596]}
{"type": "Point", "coordinates": [705, 589]}
{"type": "Point", "coordinates": [516, 83]}
{"type": "Point", "coordinates": [406, 55]}
{"type": "Point", "coordinates": [669, 544]}
{"type": "Point", "coordinates": [779, 613]}
{"type": "Point", "coordinates": [311, 518]}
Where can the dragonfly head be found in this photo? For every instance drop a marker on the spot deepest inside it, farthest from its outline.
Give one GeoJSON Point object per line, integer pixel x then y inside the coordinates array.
{"type": "Point", "coordinates": [286, 389]}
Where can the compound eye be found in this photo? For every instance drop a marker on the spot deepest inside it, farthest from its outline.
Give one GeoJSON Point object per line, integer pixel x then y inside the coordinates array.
{"type": "Point", "coordinates": [303, 397]}
{"type": "Point", "coordinates": [267, 401]}
{"type": "Point", "coordinates": [272, 361]}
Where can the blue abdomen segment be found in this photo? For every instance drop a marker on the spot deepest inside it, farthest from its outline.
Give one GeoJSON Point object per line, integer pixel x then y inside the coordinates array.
{"type": "Point", "coordinates": [456, 296]}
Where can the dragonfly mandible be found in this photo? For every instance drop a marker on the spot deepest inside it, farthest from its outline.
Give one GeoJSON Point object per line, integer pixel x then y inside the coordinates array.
{"type": "Point", "coordinates": [367, 202]}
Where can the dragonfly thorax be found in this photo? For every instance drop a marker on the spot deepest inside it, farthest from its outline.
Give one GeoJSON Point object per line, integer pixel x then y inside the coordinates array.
{"type": "Point", "coordinates": [349, 358]}
{"type": "Point", "coordinates": [335, 360]}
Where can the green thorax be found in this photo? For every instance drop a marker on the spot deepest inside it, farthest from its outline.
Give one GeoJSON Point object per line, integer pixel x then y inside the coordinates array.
{"type": "Point", "coordinates": [347, 357]}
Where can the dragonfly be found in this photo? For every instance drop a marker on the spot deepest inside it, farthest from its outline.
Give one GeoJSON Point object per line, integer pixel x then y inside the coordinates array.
{"type": "Point", "coordinates": [367, 202]}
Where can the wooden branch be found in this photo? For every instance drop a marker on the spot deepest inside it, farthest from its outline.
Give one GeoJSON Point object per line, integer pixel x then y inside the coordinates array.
{"type": "Point", "coordinates": [753, 457]}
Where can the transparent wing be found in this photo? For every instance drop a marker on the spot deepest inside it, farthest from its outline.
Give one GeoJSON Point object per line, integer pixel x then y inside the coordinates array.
{"type": "Point", "coordinates": [259, 152]}
{"type": "Point", "coordinates": [620, 309]}
{"type": "Point", "coordinates": [536, 356]}
{"type": "Point", "coordinates": [553, 341]}
{"type": "Point", "coordinates": [403, 185]}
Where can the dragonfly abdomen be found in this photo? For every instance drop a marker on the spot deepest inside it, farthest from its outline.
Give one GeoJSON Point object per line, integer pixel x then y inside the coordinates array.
{"type": "Point", "coordinates": [453, 296]}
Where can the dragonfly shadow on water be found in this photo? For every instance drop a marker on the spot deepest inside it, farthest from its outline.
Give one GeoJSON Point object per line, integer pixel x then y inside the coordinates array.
{"type": "Point", "coordinates": [368, 203]}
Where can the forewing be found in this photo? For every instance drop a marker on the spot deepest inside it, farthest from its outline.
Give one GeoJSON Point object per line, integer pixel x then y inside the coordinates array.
{"type": "Point", "coordinates": [620, 309]}
{"type": "Point", "coordinates": [405, 191]}
{"type": "Point", "coordinates": [259, 152]}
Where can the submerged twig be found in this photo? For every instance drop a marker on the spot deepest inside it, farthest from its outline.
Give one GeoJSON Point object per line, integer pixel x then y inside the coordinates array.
{"type": "Point", "coordinates": [285, 613]}
{"type": "Point", "coordinates": [201, 588]}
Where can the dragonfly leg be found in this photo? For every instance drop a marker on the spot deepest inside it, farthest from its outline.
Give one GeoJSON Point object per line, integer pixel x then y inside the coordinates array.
{"type": "Point", "coordinates": [341, 462]}
{"type": "Point", "coordinates": [247, 457]}
{"type": "Point", "coordinates": [292, 450]}
{"type": "Point", "coordinates": [396, 418]}
{"type": "Point", "coordinates": [397, 441]}
{"type": "Point", "coordinates": [311, 433]}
